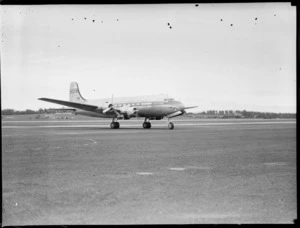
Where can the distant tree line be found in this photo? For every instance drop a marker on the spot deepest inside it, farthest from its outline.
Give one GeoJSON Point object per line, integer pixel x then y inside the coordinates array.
{"type": "Point", "coordinates": [204, 114]}
{"type": "Point", "coordinates": [27, 111]}
{"type": "Point", "coordinates": [243, 114]}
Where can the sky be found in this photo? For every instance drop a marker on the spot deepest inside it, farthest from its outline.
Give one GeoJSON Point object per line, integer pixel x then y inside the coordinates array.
{"type": "Point", "coordinates": [215, 56]}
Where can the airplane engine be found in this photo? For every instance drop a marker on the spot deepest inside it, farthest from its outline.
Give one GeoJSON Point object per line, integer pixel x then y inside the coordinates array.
{"type": "Point", "coordinates": [107, 107]}
{"type": "Point", "coordinates": [128, 112]}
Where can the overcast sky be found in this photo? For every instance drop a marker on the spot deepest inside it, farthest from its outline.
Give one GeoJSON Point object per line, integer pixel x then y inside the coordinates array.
{"type": "Point", "coordinates": [216, 56]}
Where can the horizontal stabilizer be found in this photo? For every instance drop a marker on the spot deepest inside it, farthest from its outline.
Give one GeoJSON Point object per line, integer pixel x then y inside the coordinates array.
{"type": "Point", "coordinates": [71, 104]}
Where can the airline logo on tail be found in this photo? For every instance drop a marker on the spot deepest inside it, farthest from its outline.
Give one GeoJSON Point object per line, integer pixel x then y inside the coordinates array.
{"type": "Point", "coordinates": [75, 95]}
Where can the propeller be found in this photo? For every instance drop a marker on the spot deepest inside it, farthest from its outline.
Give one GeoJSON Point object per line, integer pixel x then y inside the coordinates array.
{"type": "Point", "coordinates": [107, 109]}
{"type": "Point", "coordinates": [184, 110]}
{"type": "Point", "coordinates": [110, 106]}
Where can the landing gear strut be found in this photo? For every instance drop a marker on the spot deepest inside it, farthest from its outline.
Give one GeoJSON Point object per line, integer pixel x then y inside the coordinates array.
{"type": "Point", "coordinates": [146, 124]}
{"type": "Point", "coordinates": [114, 124]}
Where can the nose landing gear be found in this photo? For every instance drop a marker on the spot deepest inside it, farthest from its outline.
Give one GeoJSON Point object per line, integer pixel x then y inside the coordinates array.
{"type": "Point", "coordinates": [171, 126]}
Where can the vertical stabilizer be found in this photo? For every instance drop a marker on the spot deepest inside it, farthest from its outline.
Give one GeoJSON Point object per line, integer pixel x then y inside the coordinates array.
{"type": "Point", "coordinates": [75, 95]}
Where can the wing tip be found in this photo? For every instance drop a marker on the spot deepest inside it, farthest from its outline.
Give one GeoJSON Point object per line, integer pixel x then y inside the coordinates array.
{"type": "Point", "coordinates": [191, 107]}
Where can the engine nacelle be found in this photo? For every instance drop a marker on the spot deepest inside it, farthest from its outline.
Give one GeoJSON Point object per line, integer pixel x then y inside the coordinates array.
{"type": "Point", "coordinates": [128, 111]}
{"type": "Point", "coordinates": [178, 113]}
{"type": "Point", "coordinates": [156, 118]}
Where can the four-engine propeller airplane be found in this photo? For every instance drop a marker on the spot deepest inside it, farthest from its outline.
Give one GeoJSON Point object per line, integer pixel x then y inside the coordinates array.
{"type": "Point", "coordinates": [153, 107]}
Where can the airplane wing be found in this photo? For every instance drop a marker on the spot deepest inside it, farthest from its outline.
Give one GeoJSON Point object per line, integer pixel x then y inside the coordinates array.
{"type": "Point", "coordinates": [71, 104]}
{"type": "Point", "coordinates": [61, 109]}
{"type": "Point", "coordinates": [190, 107]}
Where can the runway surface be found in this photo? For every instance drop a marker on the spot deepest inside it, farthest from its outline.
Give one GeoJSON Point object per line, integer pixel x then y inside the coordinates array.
{"type": "Point", "coordinates": [203, 171]}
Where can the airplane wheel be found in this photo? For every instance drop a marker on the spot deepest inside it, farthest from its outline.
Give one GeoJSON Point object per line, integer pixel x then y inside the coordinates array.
{"type": "Point", "coordinates": [148, 125]}
{"type": "Point", "coordinates": [171, 126]}
{"type": "Point", "coordinates": [145, 125]}
{"type": "Point", "coordinates": [112, 125]}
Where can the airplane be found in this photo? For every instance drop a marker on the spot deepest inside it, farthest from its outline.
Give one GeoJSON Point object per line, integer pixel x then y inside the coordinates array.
{"type": "Point", "coordinates": [153, 107]}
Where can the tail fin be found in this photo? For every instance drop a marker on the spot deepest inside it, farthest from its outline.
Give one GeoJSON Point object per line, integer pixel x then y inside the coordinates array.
{"type": "Point", "coordinates": [75, 95]}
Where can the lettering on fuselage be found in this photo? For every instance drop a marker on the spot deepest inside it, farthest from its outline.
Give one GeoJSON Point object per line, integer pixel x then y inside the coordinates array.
{"type": "Point", "coordinates": [141, 103]}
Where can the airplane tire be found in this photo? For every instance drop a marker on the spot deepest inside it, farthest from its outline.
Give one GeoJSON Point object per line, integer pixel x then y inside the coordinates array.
{"type": "Point", "coordinates": [112, 125]}
{"type": "Point", "coordinates": [148, 125]}
{"type": "Point", "coordinates": [145, 125]}
{"type": "Point", "coordinates": [171, 126]}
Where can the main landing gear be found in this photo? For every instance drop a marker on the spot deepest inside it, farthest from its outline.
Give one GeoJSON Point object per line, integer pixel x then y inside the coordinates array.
{"type": "Point", "coordinates": [114, 124]}
{"type": "Point", "coordinates": [146, 123]}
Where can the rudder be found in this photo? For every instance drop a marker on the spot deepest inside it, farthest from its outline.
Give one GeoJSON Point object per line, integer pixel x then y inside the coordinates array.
{"type": "Point", "coordinates": [74, 94]}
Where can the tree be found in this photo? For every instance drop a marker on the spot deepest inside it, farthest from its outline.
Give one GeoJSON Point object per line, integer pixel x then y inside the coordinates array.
{"type": "Point", "coordinates": [7, 112]}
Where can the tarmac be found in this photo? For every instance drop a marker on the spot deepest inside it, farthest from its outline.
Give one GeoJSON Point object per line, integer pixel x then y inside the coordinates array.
{"type": "Point", "coordinates": [202, 172]}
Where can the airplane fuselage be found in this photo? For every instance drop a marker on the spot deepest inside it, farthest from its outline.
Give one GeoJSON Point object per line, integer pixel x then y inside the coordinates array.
{"type": "Point", "coordinates": [147, 109]}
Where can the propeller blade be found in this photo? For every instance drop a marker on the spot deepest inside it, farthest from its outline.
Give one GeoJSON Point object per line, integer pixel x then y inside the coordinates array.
{"type": "Point", "coordinates": [107, 109]}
